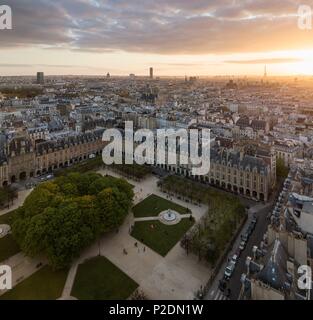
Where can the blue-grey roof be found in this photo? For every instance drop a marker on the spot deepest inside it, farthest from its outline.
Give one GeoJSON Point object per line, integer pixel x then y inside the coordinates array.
{"type": "Point", "coordinates": [274, 272]}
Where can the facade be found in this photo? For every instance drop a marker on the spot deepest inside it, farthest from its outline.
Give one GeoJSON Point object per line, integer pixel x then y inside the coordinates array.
{"type": "Point", "coordinates": [287, 153]}
{"type": "Point", "coordinates": [235, 172]}
{"type": "Point", "coordinates": [26, 159]}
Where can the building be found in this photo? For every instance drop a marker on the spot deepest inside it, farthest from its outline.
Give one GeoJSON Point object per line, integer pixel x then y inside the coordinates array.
{"type": "Point", "coordinates": [234, 171]}
{"type": "Point", "coordinates": [151, 73]}
{"type": "Point", "coordinates": [26, 158]}
{"type": "Point", "coordinates": [4, 172]}
{"type": "Point", "coordinates": [40, 78]}
{"type": "Point", "coordinates": [272, 272]}
{"type": "Point", "coordinates": [287, 152]}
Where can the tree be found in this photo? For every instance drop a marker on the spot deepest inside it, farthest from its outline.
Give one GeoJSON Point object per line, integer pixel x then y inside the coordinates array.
{"type": "Point", "coordinates": [281, 170]}
{"type": "Point", "coordinates": [61, 217]}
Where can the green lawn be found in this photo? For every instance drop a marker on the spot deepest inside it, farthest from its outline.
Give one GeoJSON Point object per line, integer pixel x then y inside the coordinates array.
{"type": "Point", "coordinates": [7, 218]}
{"type": "Point", "coordinates": [100, 279]}
{"type": "Point", "coordinates": [8, 247]}
{"type": "Point", "coordinates": [161, 238]}
{"type": "Point", "coordinates": [153, 205]}
{"type": "Point", "coordinates": [45, 284]}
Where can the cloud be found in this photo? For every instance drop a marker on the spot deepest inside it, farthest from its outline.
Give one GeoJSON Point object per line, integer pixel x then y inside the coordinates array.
{"type": "Point", "coordinates": [161, 27]}
{"type": "Point", "coordinates": [265, 61]}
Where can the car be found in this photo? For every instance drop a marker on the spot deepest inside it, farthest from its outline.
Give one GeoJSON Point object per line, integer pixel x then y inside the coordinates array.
{"type": "Point", "coordinates": [252, 225]}
{"type": "Point", "coordinates": [234, 259]}
{"type": "Point", "coordinates": [250, 229]}
{"type": "Point", "coordinates": [92, 156]}
{"type": "Point", "coordinates": [49, 176]}
{"type": "Point", "coordinates": [238, 253]}
{"type": "Point", "coordinates": [255, 220]}
{"type": "Point", "coordinates": [229, 270]}
{"type": "Point", "coordinates": [245, 237]}
{"type": "Point", "coordinates": [222, 285]}
{"type": "Point", "coordinates": [242, 245]}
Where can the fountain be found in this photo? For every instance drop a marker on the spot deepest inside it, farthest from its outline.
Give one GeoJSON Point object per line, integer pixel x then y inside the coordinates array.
{"type": "Point", "coordinates": [169, 215]}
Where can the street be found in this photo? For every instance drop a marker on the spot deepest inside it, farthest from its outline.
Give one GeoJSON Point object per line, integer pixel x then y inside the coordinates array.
{"type": "Point", "coordinates": [234, 284]}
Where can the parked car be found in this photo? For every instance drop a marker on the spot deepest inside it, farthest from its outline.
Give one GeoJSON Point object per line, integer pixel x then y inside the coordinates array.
{"type": "Point", "coordinates": [222, 285]}
{"type": "Point", "coordinates": [245, 237]}
{"type": "Point", "coordinates": [229, 270]}
{"type": "Point", "coordinates": [234, 259]}
{"type": "Point", "coordinates": [255, 219]}
{"type": "Point", "coordinates": [238, 253]}
{"type": "Point", "coordinates": [250, 229]}
{"type": "Point", "coordinates": [242, 245]}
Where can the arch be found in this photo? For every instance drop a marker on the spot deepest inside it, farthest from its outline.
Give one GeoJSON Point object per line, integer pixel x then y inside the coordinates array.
{"type": "Point", "coordinates": [262, 197]}
{"type": "Point", "coordinates": [50, 169]}
{"type": "Point", "coordinates": [217, 183]}
{"type": "Point", "coordinates": [235, 189]}
{"type": "Point", "coordinates": [212, 181]}
{"type": "Point", "coordinates": [5, 183]}
{"type": "Point", "coordinates": [31, 174]}
{"type": "Point", "coordinates": [13, 179]}
{"type": "Point", "coordinates": [44, 170]}
{"type": "Point", "coordinates": [229, 186]}
{"type": "Point", "coordinates": [23, 175]}
{"type": "Point", "coordinates": [241, 191]}
{"type": "Point", "coordinates": [248, 193]}
{"type": "Point", "coordinates": [55, 167]}
{"type": "Point", "coordinates": [254, 194]}
{"type": "Point", "coordinates": [223, 185]}
{"type": "Point", "coordinates": [38, 173]}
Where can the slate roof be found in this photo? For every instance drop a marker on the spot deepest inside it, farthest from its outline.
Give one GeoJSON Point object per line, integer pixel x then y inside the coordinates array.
{"type": "Point", "coordinates": [275, 267]}
{"type": "Point", "coordinates": [232, 158]}
{"type": "Point", "coordinates": [60, 144]}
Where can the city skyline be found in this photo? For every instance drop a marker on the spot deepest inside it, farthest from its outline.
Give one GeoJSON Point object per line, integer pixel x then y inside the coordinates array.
{"type": "Point", "coordinates": [202, 38]}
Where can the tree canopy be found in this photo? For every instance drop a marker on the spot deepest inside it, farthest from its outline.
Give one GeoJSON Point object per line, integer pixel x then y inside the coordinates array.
{"type": "Point", "coordinates": [281, 169]}
{"type": "Point", "coordinates": [61, 217]}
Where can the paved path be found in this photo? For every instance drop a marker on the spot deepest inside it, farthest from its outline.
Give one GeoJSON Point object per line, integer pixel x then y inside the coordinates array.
{"type": "Point", "coordinates": [66, 294]}
{"type": "Point", "coordinates": [177, 276]}
{"type": "Point", "coordinates": [155, 218]}
{"type": "Point", "coordinates": [22, 195]}
{"type": "Point", "coordinates": [22, 267]}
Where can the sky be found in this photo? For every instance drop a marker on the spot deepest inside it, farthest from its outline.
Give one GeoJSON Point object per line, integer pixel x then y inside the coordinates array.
{"type": "Point", "coordinates": [175, 37]}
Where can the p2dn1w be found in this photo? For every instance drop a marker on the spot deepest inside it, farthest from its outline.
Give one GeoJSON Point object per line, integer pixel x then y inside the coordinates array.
{"type": "Point", "coordinates": [177, 309]}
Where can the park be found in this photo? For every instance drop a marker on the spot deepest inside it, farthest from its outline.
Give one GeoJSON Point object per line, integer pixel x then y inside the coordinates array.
{"type": "Point", "coordinates": [105, 257]}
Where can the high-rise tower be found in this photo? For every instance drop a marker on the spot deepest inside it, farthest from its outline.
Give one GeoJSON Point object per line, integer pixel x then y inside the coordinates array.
{"type": "Point", "coordinates": [40, 78]}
